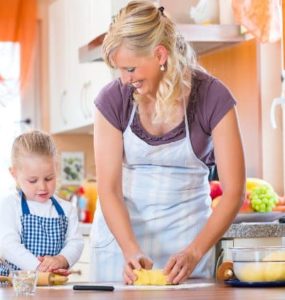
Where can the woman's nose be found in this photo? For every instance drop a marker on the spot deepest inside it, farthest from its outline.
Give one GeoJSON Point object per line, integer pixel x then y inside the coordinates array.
{"type": "Point", "coordinates": [126, 78]}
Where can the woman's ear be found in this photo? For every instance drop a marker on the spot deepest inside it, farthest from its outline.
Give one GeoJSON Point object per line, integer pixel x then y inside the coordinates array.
{"type": "Point", "coordinates": [12, 171]}
{"type": "Point", "coordinates": [161, 53]}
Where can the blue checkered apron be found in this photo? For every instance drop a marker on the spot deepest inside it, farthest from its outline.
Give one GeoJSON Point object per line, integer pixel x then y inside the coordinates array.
{"type": "Point", "coordinates": [166, 191]}
{"type": "Point", "coordinates": [42, 236]}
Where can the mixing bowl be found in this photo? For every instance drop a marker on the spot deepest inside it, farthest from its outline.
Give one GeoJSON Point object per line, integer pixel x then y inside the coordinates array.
{"type": "Point", "coordinates": [261, 264]}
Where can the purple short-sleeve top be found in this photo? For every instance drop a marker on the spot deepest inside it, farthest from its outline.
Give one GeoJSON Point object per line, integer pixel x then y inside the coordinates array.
{"type": "Point", "coordinates": [209, 101]}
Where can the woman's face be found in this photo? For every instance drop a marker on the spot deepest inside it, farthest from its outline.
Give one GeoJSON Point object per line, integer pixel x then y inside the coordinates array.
{"type": "Point", "coordinates": [142, 72]}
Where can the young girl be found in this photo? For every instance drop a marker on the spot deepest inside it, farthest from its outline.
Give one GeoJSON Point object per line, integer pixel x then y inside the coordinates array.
{"type": "Point", "coordinates": [38, 230]}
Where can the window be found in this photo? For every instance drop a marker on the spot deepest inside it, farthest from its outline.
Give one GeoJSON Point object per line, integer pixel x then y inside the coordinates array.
{"type": "Point", "coordinates": [10, 107]}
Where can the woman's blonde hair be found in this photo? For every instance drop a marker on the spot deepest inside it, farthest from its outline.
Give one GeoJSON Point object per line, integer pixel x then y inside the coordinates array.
{"type": "Point", "coordinates": [141, 26]}
{"type": "Point", "coordinates": [33, 142]}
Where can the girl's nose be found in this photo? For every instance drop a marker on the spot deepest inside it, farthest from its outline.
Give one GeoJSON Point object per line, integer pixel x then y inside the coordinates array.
{"type": "Point", "coordinates": [42, 185]}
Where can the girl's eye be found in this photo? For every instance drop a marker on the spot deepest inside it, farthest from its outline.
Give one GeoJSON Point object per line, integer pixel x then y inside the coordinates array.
{"type": "Point", "coordinates": [32, 181]}
{"type": "Point", "coordinates": [131, 69]}
{"type": "Point", "coordinates": [49, 179]}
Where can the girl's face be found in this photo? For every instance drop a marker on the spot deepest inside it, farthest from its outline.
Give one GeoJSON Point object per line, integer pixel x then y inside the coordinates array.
{"type": "Point", "coordinates": [142, 72]}
{"type": "Point", "coordinates": [36, 176]}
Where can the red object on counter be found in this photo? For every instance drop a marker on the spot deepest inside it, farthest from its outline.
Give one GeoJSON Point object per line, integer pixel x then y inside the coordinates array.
{"type": "Point", "coordinates": [215, 189]}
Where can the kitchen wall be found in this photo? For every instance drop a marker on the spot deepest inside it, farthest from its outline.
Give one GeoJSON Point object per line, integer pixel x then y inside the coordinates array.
{"type": "Point", "coordinates": [237, 67]}
{"type": "Point", "coordinates": [78, 142]}
{"type": "Point", "coordinates": [252, 72]}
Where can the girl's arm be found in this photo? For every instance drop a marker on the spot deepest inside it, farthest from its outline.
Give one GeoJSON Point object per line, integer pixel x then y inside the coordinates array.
{"type": "Point", "coordinates": [11, 248]}
{"type": "Point", "coordinates": [73, 245]}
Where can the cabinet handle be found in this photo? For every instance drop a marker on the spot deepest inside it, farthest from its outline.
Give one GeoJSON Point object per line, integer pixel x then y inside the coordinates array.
{"type": "Point", "coordinates": [275, 102]}
{"type": "Point", "coordinates": [62, 97]}
{"type": "Point", "coordinates": [88, 99]}
{"type": "Point", "coordinates": [82, 100]}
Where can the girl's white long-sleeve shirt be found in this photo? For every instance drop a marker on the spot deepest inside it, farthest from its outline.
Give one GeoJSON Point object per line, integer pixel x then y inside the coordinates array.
{"type": "Point", "coordinates": [11, 248]}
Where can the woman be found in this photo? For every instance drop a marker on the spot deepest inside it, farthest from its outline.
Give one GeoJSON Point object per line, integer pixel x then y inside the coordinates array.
{"type": "Point", "coordinates": [157, 128]}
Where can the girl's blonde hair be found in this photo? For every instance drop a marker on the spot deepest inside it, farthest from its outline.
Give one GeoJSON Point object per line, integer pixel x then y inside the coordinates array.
{"type": "Point", "coordinates": [33, 142]}
{"type": "Point", "coordinates": [141, 26]}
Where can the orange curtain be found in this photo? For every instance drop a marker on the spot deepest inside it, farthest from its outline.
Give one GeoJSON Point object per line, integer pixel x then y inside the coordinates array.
{"type": "Point", "coordinates": [262, 18]}
{"type": "Point", "coordinates": [18, 21]}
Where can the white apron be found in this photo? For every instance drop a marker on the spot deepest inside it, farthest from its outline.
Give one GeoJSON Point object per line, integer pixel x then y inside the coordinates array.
{"type": "Point", "coordinates": [166, 191]}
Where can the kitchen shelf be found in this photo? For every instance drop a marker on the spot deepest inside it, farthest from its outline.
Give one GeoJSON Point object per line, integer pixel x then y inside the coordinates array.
{"type": "Point", "coordinates": [203, 38]}
{"type": "Point", "coordinates": [207, 38]}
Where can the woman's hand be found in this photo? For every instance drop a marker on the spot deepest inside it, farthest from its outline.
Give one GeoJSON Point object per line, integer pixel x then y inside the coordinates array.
{"type": "Point", "coordinates": [180, 266]}
{"type": "Point", "coordinates": [137, 262]}
{"type": "Point", "coordinates": [51, 263]}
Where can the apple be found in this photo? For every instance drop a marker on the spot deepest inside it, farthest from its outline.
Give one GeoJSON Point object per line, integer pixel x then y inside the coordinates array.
{"type": "Point", "coordinates": [215, 189]}
{"type": "Point", "coordinates": [246, 206]}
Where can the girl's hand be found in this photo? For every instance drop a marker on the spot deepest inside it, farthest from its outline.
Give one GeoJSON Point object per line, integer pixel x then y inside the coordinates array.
{"type": "Point", "coordinates": [52, 263]}
{"type": "Point", "coordinates": [63, 272]}
{"type": "Point", "coordinates": [137, 262]}
{"type": "Point", "coordinates": [180, 266]}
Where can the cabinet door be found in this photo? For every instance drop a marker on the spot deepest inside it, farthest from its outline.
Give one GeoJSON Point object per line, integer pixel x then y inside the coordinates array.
{"type": "Point", "coordinates": [96, 75]}
{"type": "Point", "coordinates": [101, 17]}
{"type": "Point", "coordinates": [77, 22]}
{"type": "Point", "coordinates": [57, 61]}
{"type": "Point", "coordinates": [74, 86]}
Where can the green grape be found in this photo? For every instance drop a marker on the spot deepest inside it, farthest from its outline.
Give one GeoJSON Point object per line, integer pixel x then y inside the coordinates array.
{"type": "Point", "coordinates": [263, 199]}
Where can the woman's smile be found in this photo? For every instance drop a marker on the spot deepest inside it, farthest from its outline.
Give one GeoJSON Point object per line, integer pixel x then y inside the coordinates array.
{"type": "Point", "coordinates": [137, 84]}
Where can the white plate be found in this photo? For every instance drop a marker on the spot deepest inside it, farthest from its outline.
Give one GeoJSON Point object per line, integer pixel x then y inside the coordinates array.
{"type": "Point", "coordinates": [258, 217]}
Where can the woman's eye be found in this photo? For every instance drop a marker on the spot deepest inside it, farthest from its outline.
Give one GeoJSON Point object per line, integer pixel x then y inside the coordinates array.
{"type": "Point", "coordinates": [131, 69]}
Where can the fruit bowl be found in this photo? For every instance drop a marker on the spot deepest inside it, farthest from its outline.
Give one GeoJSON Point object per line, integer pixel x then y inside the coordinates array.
{"type": "Point", "coordinates": [262, 264]}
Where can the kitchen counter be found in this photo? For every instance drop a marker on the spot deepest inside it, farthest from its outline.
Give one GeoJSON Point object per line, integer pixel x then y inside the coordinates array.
{"type": "Point", "coordinates": [255, 230]}
{"type": "Point", "coordinates": [215, 291]}
{"type": "Point", "coordinates": [241, 230]}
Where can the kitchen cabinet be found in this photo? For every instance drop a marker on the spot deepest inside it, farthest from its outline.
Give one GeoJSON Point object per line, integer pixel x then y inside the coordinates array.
{"type": "Point", "coordinates": [59, 68]}
{"type": "Point", "coordinates": [73, 86]}
{"type": "Point", "coordinates": [203, 38]}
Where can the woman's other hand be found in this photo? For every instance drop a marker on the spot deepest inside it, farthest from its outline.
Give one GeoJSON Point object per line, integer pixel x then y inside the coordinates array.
{"type": "Point", "coordinates": [137, 261]}
{"type": "Point", "coordinates": [180, 266]}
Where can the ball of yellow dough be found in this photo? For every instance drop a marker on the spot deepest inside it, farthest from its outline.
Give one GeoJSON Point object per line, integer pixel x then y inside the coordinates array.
{"type": "Point", "coordinates": [274, 271]}
{"type": "Point", "coordinates": [150, 277]}
{"type": "Point", "coordinates": [274, 266]}
{"type": "Point", "coordinates": [271, 268]}
{"type": "Point", "coordinates": [250, 272]}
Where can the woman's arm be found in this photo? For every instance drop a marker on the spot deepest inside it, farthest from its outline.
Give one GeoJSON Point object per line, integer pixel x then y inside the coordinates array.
{"type": "Point", "coordinates": [231, 169]}
{"type": "Point", "coordinates": [108, 146]}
